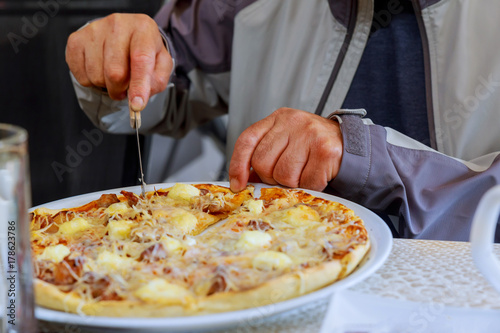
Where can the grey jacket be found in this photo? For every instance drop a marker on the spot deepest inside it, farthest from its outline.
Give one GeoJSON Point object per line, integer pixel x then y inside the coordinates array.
{"type": "Point", "coordinates": [251, 57]}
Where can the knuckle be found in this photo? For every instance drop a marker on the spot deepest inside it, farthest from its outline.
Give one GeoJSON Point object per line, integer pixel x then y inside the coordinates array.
{"type": "Point", "coordinates": [145, 22]}
{"type": "Point", "coordinates": [73, 41]}
{"type": "Point", "coordinates": [260, 166]}
{"type": "Point", "coordinates": [161, 83]}
{"type": "Point", "coordinates": [248, 138]}
{"type": "Point", "coordinates": [95, 76]}
{"type": "Point", "coordinates": [285, 180]}
{"type": "Point", "coordinates": [116, 74]}
{"type": "Point", "coordinates": [327, 149]}
{"type": "Point", "coordinates": [142, 58]}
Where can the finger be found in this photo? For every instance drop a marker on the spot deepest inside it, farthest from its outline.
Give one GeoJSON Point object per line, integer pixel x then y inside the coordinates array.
{"type": "Point", "coordinates": [94, 64]}
{"type": "Point", "coordinates": [116, 64]}
{"type": "Point", "coordinates": [163, 68]}
{"type": "Point", "coordinates": [289, 167]}
{"type": "Point", "coordinates": [268, 152]}
{"type": "Point", "coordinates": [327, 153]}
{"type": "Point", "coordinates": [142, 65]}
{"type": "Point", "coordinates": [75, 58]}
{"type": "Point", "coordinates": [239, 166]}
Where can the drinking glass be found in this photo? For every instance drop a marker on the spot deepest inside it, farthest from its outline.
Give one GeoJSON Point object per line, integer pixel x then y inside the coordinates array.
{"type": "Point", "coordinates": [482, 236]}
{"type": "Point", "coordinates": [16, 292]}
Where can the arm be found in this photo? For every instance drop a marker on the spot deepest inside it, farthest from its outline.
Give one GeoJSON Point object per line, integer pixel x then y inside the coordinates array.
{"type": "Point", "coordinates": [434, 194]}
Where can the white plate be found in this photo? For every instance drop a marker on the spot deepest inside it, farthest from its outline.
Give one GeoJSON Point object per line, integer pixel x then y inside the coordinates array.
{"type": "Point", "coordinates": [381, 244]}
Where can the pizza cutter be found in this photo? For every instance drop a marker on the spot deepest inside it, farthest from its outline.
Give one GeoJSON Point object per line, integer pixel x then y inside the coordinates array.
{"type": "Point", "coordinates": [135, 122]}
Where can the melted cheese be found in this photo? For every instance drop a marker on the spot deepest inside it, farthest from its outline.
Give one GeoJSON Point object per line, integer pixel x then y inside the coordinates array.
{"type": "Point", "coordinates": [55, 253]}
{"type": "Point", "coordinates": [183, 192]}
{"type": "Point", "coordinates": [253, 240]}
{"type": "Point", "coordinates": [297, 216]}
{"type": "Point", "coordinates": [119, 208]}
{"type": "Point", "coordinates": [271, 260]}
{"type": "Point", "coordinates": [183, 221]}
{"type": "Point", "coordinates": [119, 230]}
{"type": "Point", "coordinates": [112, 262]}
{"type": "Point", "coordinates": [76, 225]}
{"type": "Point", "coordinates": [171, 244]}
{"type": "Point", "coordinates": [160, 291]}
{"type": "Point", "coordinates": [255, 206]}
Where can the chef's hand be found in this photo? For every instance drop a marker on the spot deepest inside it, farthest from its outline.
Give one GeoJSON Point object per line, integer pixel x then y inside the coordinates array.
{"type": "Point", "coordinates": [121, 52]}
{"type": "Point", "coordinates": [290, 147]}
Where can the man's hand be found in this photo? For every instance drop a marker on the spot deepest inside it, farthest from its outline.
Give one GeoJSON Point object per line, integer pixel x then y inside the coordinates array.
{"type": "Point", "coordinates": [290, 147]}
{"type": "Point", "coordinates": [121, 52]}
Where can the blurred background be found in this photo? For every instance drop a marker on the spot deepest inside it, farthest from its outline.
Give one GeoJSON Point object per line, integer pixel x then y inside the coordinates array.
{"type": "Point", "coordinates": [68, 155]}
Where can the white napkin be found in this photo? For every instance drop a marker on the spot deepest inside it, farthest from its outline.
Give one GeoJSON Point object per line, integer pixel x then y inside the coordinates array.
{"type": "Point", "coordinates": [352, 312]}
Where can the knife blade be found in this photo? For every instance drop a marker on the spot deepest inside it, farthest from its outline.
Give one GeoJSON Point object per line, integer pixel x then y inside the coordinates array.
{"type": "Point", "coordinates": [135, 122]}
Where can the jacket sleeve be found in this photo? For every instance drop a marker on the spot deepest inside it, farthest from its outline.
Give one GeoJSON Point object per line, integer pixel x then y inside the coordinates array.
{"type": "Point", "coordinates": [433, 194]}
{"type": "Point", "coordinates": [199, 35]}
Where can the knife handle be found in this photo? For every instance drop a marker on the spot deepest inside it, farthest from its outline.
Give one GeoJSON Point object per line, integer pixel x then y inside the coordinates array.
{"type": "Point", "coordinates": [135, 119]}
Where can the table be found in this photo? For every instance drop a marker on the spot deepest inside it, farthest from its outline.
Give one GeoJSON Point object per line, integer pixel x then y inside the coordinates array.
{"type": "Point", "coordinates": [416, 270]}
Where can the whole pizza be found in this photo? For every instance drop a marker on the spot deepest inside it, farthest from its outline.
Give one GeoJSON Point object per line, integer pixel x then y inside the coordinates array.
{"type": "Point", "coordinates": [190, 250]}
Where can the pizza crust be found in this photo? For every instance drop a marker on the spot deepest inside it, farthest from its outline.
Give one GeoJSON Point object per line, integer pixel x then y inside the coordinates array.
{"type": "Point", "coordinates": [285, 287]}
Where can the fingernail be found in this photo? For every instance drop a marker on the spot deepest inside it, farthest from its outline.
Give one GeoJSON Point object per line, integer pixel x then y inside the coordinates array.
{"type": "Point", "coordinates": [234, 184]}
{"type": "Point", "coordinates": [137, 104]}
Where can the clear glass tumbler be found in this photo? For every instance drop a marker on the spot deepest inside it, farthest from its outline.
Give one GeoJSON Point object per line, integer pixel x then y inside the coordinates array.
{"type": "Point", "coordinates": [16, 291]}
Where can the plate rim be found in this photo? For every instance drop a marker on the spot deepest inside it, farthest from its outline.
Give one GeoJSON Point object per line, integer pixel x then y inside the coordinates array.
{"type": "Point", "coordinates": [378, 254]}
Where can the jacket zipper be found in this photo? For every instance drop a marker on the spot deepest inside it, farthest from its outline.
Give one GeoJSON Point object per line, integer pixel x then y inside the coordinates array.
{"type": "Point", "coordinates": [427, 64]}
{"type": "Point", "coordinates": [340, 59]}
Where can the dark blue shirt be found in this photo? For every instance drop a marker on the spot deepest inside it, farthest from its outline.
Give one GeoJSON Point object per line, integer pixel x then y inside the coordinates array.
{"type": "Point", "coordinates": [389, 82]}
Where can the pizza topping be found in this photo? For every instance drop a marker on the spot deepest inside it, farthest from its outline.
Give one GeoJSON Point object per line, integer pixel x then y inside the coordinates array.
{"type": "Point", "coordinates": [171, 244]}
{"type": "Point", "coordinates": [107, 200]}
{"type": "Point", "coordinates": [219, 284]}
{"type": "Point", "coordinates": [119, 230]}
{"type": "Point", "coordinates": [253, 240]}
{"type": "Point", "coordinates": [161, 291]}
{"type": "Point", "coordinates": [297, 216]}
{"type": "Point", "coordinates": [132, 199]}
{"type": "Point", "coordinates": [54, 253]}
{"type": "Point", "coordinates": [259, 225]}
{"type": "Point", "coordinates": [153, 253]}
{"type": "Point", "coordinates": [76, 225]}
{"type": "Point", "coordinates": [68, 271]}
{"type": "Point", "coordinates": [182, 222]}
{"type": "Point", "coordinates": [110, 262]}
{"type": "Point", "coordinates": [63, 216]}
{"type": "Point", "coordinates": [117, 209]}
{"type": "Point", "coordinates": [271, 260]}
{"type": "Point", "coordinates": [183, 192]}
{"type": "Point", "coordinates": [100, 287]}
{"type": "Point", "coordinates": [255, 206]}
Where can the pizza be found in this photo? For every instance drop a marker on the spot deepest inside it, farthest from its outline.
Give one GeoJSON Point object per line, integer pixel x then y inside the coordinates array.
{"type": "Point", "coordinates": [190, 250]}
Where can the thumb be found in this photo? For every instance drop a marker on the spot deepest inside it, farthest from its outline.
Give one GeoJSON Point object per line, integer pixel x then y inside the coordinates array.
{"type": "Point", "coordinates": [142, 65]}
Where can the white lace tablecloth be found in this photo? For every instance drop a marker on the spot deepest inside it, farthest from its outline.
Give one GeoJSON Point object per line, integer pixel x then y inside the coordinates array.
{"type": "Point", "coordinates": [416, 270]}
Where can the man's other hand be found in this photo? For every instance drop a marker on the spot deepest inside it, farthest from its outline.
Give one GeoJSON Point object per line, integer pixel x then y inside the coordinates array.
{"type": "Point", "coordinates": [290, 147]}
